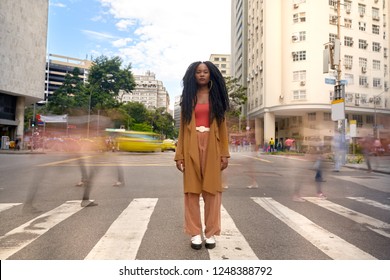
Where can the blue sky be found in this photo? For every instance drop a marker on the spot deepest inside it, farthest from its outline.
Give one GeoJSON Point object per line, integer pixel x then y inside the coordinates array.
{"type": "Point", "coordinates": [161, 36]}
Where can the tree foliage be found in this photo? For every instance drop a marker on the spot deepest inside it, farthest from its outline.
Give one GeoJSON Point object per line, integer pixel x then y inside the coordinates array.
{"type": "Point", "coordinates": [237, 95]}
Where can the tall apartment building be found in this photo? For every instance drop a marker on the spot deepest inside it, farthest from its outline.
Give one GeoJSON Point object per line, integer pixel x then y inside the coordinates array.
{"type": "Point", "coordinates": [57, 66]}
{"type": "Point", "coordinates": [239, 37]}
{"type": "Point", "coordinates": [222, 61]}
{"type": "Point", "coordinates": [149, 91]}
{"type": "Point", "coordinates": [23, 36]}
{"type": "Point", "coordinates": [288, 93]}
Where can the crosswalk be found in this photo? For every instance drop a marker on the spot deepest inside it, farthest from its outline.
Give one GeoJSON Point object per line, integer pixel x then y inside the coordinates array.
{"type": "Point", "coordinates": [124, 236]}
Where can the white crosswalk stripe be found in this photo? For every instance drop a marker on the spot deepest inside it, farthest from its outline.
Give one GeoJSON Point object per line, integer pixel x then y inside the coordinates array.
{"type": "Point", "coordinates": [374, 224]}
{"type": "Point", "coordinates": [11, 243]}
{"type": "Point", "coordinates": [231, 244]}
{"type": "Point", "coordinates": [332, 245]}
{"type": "Point", "coordinates": [370, 202]}
{"type": "Point", "coordinates": [123, 238]}
{"type": "Point", "coordinates": [6, 206]}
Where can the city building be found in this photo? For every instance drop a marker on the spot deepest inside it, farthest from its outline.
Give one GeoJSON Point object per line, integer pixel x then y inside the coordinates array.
{"type": "Point", "coordinates": [57, 66]}
{"type": "Point", "coordinates": [177, 111]}
{"type": "Point", "coordinates": [290, 91]}
{"type": "Point", "coordinates": [149, 91]}
{"type": "Point", "coordinates": [222, 61]}
{"type": "Point", "coordinates": [23, 36]}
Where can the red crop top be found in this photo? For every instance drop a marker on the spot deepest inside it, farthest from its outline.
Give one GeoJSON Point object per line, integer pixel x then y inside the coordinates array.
{"type": "Point", "coordinates": [202, 115]}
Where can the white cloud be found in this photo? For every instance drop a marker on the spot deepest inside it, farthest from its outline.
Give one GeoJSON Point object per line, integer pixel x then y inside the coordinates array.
{"type": "Point", "coordinates": [121, 42]}
{"type": "Point", "coordinates": [58, 4]}
{"type": "Point", "coordinates": [170, 34]}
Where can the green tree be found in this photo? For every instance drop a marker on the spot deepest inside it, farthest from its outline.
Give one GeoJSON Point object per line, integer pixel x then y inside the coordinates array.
{"type": "Point", "coordinates": [163, 123]}
{"type": "Point", "coordinates": [237, 95]}
{"type": "Point", "coordinates": [62, 101]}
{"type": "Point", "coordinates": [107, 79]}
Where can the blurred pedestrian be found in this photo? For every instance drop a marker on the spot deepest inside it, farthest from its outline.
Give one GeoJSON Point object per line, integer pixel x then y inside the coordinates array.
{"type": "Point", "coordinates": [367, 143]}
{"type": "Point", "coordinates": [318, 166]}
{"type": "Point", "coordinates": [203, 149]}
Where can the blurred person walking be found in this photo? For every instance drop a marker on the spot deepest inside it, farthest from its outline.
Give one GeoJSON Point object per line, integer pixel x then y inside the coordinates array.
{"type": "Point", "coordinates": [203, 149]}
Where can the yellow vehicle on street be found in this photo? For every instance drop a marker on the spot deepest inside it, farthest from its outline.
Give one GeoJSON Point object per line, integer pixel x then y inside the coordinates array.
{"type": "Point", "coordinates": [135, 141]}
{"type": "Point", "coordinates": [168, 145]}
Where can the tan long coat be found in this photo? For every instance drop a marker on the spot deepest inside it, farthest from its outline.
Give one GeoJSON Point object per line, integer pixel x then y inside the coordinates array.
{"type": "Point", "coordinates": [187, 149]}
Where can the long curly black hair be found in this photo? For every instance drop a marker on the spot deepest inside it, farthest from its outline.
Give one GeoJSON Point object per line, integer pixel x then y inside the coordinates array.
{"type": "Point", "coordinates": [218, 97]}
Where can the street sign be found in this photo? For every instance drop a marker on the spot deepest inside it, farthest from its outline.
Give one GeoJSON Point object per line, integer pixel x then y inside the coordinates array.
{"type": "Point", "coordinates": [330, 81]}
{"type": "Point", "coordinates": [343, 82]}
{"type": "Point", "coordinates": [338, 110]}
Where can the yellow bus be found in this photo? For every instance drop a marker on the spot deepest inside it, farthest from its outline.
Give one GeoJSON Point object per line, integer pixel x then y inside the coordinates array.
{"type": "Point", "coordinates": [135, 141]}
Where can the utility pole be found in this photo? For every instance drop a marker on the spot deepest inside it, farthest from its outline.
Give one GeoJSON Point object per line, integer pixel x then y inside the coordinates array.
{"type": "Point", "coordinates": [338, 82]}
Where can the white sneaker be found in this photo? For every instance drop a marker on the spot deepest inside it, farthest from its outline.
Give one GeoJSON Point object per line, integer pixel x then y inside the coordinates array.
{"type": "Point", "coordinates": [210, 242]}
{"type": "Point", "coordinates": [196, 242]}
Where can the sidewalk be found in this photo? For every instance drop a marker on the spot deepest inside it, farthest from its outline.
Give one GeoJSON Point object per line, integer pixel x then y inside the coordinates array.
{"type": "Point", "coordinates": [21, 152]}
{"type": "Point", "coordinates": [380, 164]}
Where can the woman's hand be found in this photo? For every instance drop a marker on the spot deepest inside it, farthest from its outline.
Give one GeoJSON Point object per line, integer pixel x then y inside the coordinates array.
{"type": "Point", "coordinates": [180, 165]}
{"type": "Point", "coordinates": [224, 163]}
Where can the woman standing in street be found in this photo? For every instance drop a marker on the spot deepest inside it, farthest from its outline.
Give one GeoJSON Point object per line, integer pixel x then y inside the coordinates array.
{"type": "Point", "coordinates": [203, 150]}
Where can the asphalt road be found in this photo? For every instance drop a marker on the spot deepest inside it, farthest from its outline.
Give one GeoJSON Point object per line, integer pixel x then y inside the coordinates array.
{"type": "Point", "coordinates": [143, 218]}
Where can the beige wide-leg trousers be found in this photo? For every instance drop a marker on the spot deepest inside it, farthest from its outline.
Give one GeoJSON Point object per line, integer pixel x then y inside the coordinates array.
{"type": "Point", "coordinates": [212, 203]}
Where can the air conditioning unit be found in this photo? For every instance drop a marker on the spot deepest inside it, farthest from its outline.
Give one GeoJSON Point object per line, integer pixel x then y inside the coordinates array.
{"type": "Point", "coordinates": [361, 14]}
{"type": "Point", "coordinates": [294, 38]}
{"type": "Point", "coordinates": [296, 6]}
{"type": "Point", "coordinates": [375, 17]}
{"type": "Point", "coordinates": [364, 69]}
{"type": "Point", "coordinates": [302, 83]}
{"type": "Point", "coordinates": [348, 10]}
{"type": "Point", "coordinates": [366, 84]}
{"type": "Point", "coordinates": [365, 45]}
{"type": "Point", "coordinates": [281, 96]}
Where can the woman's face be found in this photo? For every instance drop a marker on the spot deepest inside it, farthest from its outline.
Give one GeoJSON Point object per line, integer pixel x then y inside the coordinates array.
{"type": "Point", "coordinates": [202, 75]}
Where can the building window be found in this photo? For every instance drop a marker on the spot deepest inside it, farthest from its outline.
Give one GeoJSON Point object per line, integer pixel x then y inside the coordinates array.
{"type": "Point", "coordinates": [363, 44]}
{"type": "Point", "coordinates": [311, 117]}
{"type": "Point", "coordinates": [298, 56]}
{"type": "Point", "coordinates": [299, 75]}
{"type": "Point", "coordinates": [375, 14]}
{"type": "Point", "coordinates": [376, 82]}
{"type": "Point", "coordinates": [223, 59]}
{"type": "Point", "coordinates": [299, 94]}
{"type": "Point", "coordinates": [375, 29]}
{"type": "Point", "coordinates": [376, 47]}
{"type": "Point", "coordinates": [327, 116]}
{"type": "Point", "coordinates": [358, 119]}
{"type": "Point", "coordinates": [350, 79]}
{"type": "Point", "coordinates": [348, 41]}
{"type": "Point", "coordinates": [369, 119]}
{"type": "Point", "coordinates": [362, 26]}
{"type": "Point", "coordinates": [332, 37]}
{"type": "Point", "coordinates": [363, 81]}
{"type": "Point", "coordinates": [333, 19]}
{"type": "Point", "coordinates": [348, 59]}
{"type": "Point", "coordinates": [299, 17]}
{"type": "Point", "coordinates": [362, 62]}
{"type": "Point", "coordinates": [347, 23]}
{"type": "Point", "coordinates": [362, 10]}
{"type": "Point", "coordinates": [376, 64]}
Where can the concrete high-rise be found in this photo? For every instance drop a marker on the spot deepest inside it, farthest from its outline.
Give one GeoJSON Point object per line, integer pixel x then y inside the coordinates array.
{"type": "Point", "coordinates": [289, 95]}
{"type": "Point", "coordinates": [23, 36]}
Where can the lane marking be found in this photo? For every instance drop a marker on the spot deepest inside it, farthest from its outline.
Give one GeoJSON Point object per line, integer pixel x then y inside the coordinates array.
{"type": "Point", "coordinates": [123, 238]}
{"type": "Point", "coordinates": [329, 243]}
{"type": "Point", "coordinates": [352, 215]}
{"type": "Point", "coordinates": [20, 237]}
{"type": "Point", "coordinates": [371, 202]}
{"type": "Point", "coordinates": [64, 161]}
{"type": "Point", "coordinates": [379, 183]}
{"type": "Point", "coordinates": [6, 206]}
{"type": "Point", "coordinates": [231, 244]}
{"type": "Point", "coordinates": [260, 159]}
